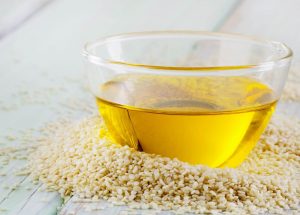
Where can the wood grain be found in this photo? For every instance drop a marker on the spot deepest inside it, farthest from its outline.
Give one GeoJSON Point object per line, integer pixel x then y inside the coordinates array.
{"type": "Point", "coordinates": [45, 51]}
{"type": "Point", "coordinates": [13, 13]}
{"type": "Point", "coordinates": [275, 20]}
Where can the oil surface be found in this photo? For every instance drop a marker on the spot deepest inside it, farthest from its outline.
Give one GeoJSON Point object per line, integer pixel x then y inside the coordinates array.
{"type": "Point", "coordinates": [214, 121]}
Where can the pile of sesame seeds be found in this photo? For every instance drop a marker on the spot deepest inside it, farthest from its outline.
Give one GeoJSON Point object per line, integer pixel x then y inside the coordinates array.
{"type": "Point", "coordinates": [75, 160]}
{"type": "Point", "coordinates": [272, 169]}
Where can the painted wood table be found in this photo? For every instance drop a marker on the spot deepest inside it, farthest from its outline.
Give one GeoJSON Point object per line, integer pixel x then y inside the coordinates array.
{"type": "Point", "coordinates": [42, 77]}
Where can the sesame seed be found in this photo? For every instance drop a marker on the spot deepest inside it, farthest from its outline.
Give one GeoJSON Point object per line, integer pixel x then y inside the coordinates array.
{"type": "Point", "coordinates": [74, 160]}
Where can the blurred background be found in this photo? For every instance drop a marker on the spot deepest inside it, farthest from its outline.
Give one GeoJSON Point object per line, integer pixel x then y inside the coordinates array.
{"type": "Point", "coordinates": [50, 33]}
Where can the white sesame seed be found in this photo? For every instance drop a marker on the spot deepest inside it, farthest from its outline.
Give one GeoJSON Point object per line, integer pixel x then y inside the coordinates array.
{"type": "Point", "coordinates": [75, 160]}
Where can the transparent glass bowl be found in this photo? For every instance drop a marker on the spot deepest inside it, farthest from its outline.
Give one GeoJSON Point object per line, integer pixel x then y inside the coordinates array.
{"type": "Point", "coordinates": [201, 97]}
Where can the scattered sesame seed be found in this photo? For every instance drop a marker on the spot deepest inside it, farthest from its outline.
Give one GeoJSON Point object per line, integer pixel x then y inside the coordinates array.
{"type": "Point", "coordinates": [74, 160]}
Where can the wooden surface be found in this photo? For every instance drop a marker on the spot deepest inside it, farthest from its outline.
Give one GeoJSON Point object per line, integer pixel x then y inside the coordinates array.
{"type": "Point", "coordinates": [41, 67]}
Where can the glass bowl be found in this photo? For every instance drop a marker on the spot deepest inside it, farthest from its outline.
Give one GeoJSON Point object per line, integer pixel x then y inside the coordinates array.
{"type": "Point", "coordinates": [201, 97]}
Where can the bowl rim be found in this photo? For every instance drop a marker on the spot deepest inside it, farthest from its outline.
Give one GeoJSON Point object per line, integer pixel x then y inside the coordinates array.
{"type": "Point", "coordinates": [263, 66]}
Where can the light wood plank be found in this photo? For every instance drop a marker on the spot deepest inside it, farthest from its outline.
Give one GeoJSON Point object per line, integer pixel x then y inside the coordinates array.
{"type": "Point", "coordinates": [16, 199]}
{"type": "Point", "coordinates": [30, 198]}
{"type": "Point", "coordinates": [41, 202]}
{"type": "Point", "coordinates": [275, 20]}
{"type": "Point", "coordinates": [60, 52]}
{"type": "Point", "coordinates": [10, 182]}
{"type": "Point", "coordinates": [45, 51]}
{"type": "Point", "coordinates": [15, 12]}
{"type": "Point", "coordinates": [36, 53]}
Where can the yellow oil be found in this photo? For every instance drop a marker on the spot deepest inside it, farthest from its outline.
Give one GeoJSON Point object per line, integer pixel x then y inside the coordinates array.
{"type": "Point", "coordinates": [214, 121]}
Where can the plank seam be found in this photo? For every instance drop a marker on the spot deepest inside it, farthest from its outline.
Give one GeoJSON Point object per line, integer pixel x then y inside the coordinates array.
{"type": "Point", "coordinates": [28, 199]}
{"type": "Point", "coordinates": [12, 190]}
{"type": "Point", "coordinates": [26, 18]}
{"type": "Point", "coordinates": [228, 15]}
